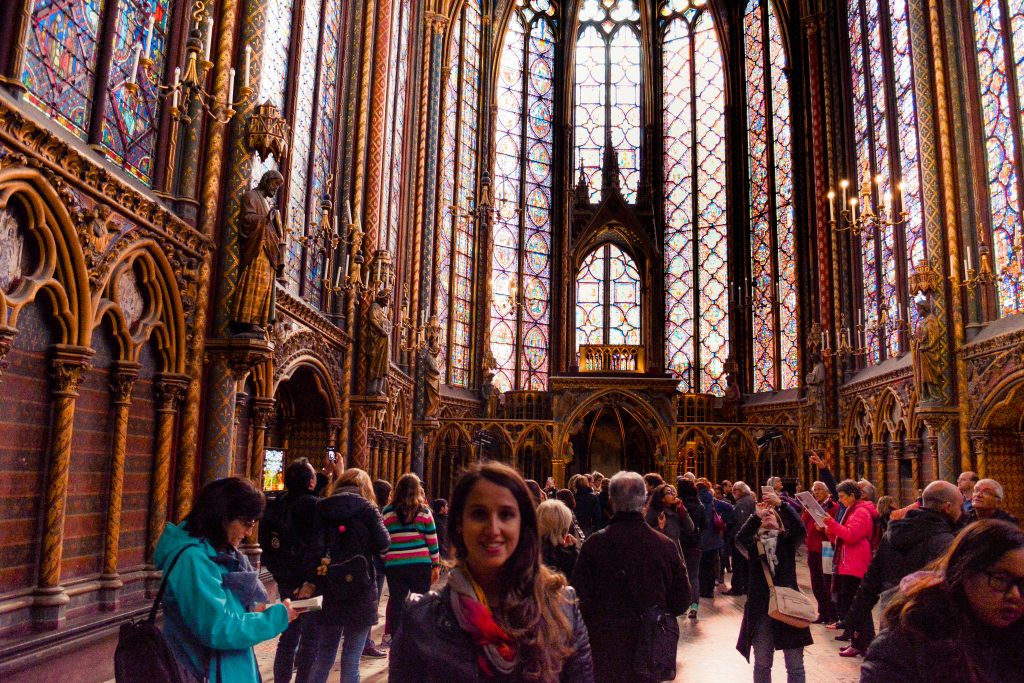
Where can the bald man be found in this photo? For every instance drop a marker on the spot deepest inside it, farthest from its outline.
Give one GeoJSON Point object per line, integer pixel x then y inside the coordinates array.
{"type": "Point", "coordinates": [907, 546]}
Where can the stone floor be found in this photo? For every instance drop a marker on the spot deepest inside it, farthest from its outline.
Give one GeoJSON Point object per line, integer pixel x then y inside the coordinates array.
{"type": "Point", "coordinates": [707, 649]}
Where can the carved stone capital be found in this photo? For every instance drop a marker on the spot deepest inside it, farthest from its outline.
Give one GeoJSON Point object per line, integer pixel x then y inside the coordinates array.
{"type": "Point", "coordinates": [67, 369]}
{"type": "Point", "coordinates": [937, 417]}
{"type": "Point", "coordinates": [240, 354]}
{"type": "Point", "coordinates": [435, 22]}
{"type": "Point", "coordinates": [170, 391]}
{"type": "Point", "coordinates": [263, 411]}
{"type": "Point", "coordinates": [122, 381]}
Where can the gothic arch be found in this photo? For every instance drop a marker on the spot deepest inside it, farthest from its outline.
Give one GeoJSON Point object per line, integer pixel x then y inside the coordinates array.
{"type": "Point", "coordinates": [889, 416]}
{"type": "Point", "coordinates": [321, 376]}
{"type": "Point", "coordinates": [60, 274]}
{"type": "Point", "coordinates": [856, 419]}
{"type": "Point", "coordinates": [632, 403]}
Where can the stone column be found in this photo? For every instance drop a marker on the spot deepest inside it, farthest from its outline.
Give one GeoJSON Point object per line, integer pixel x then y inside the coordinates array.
{"type": "Point", "coordinates": [49, 600]}
{"type": "Point", "coordinates": [879, 455]}
{"type": "Point", "coordinates": [170, 392]}
{"type": "Point", "coordinates": [263, 411]}
{"type": "Point", "coordinates": [892, 471]}
{"type": "Point", "coordinates": [121, 384]}
{"type": "Point", "coordinates": [979, 444]}
{"type": "Point", "coordinates": [558, 471]}
{"type": "Point", "coordinates": [913, 453]}
{"type": "Point", "coordinates": [849, 463]}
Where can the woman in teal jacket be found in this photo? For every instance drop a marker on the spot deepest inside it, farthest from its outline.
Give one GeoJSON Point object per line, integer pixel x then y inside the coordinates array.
{"type": "Point", "coordinates": [215, 607]}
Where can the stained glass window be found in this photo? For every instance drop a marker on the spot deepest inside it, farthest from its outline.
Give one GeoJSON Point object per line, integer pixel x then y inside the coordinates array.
{"type": "Point", "coordinates": [60, 60]}
{"type": "Point", "coordinates": [770, 173]}
{"type": "Point", "coordinates": [302, 133]}
{"type": "Point", "coordinates": [608, 298]}
{"type": "Point", "coordinates": [273, 79]}
{"type": "Point", "coordinates": [607, 92]}
{"type": "Point", "coordinates": [1000, 60]}
{"type": "Point", "coordinates": [457, 230]}
{"type": "Point", "coordinates": [696, 248]}
{"type": "Point", "coordinates": [524, 138]}
{"type": "Point", "coordinates": [129, 125]}
{"type": "Point", "coordinates": [888, 165]}
{"type": "Point", "coordinates": [398, 98]}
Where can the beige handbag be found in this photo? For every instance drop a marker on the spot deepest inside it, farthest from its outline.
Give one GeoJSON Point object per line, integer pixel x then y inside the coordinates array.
{"type": "Point", "coordinates": [787, 605]}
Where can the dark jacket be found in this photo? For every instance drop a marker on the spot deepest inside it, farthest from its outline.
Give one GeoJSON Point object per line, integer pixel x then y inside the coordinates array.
{"type": "Point", "coordinates": [784, 637]}
{"type": "Point", "coordinates": [677, 523]}
{"type": "Point", "coordinates": [431, 647]}
{"type": "Point", "coordinates": [710, 537]}
{"type": "Point", "coordinates": [742, 510]}
{"type": "Point", "coordinates": [623, 569]}
{"type": "Point", "coordinates": [561, 558]}
{"type": "Point", "coordinates": [935, 652]}
{"type": "Point", "coordinates": [305, 525]}
{"type": "Point", "coordinates": [606, 507]}
{"type": "Point", "coordinates": [441, 524]}
{"type": "Point", "coordinates": [908, 545]}
{"type": "Point", "coordinates": [695, 509]}
{"type": "Point", "coordinates": [360, 517]}
{"type": "Point", "coordinates": [588, 510]}
{"type": "Point", "coordinates": [1003, 515]}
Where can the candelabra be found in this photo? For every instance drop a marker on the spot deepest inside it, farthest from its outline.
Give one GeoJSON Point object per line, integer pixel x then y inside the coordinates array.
{"type": "Point", "coordinates": [511, 301]}
{"type": "Point", "coordinates": [411, 332]}
{"type": "Point", "coordinates": [503, 209]}
{"type": "Point", "coordinates": [846, 349]}
{"type": "Point", "coordinates": [353, 260]}
{"type": "Point", "coordinates": [869, 219]}
{"type": "Point", "coordinates": [984, 276]}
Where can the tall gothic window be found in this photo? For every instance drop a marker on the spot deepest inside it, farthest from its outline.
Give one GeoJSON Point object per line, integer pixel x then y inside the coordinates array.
{"type": "Point", "coordinates": [62, 62]}
{"type": "Point", "coordinates": [608, 298]}
{"type": "Point", "coordinates": [770, 172]}
{"type": "Point", "coordinates": [456, 234]}
{"type": "Point", "coordinates": [998, 30]}
{"type": "Point", "coordinates": [696, 250]}
{"type": "Point", "coordinates": [313, 144]}
{"type": "Point", "coordinates": [608, 78]}
{"type": "Point", "coordinates": [398, 100]}
{"type": "Point", "coordinates": [885, 127]}
{"type": "Point", "coordinates": [273, 79]}
{"type": "Point", "coordinates": [524, 138]}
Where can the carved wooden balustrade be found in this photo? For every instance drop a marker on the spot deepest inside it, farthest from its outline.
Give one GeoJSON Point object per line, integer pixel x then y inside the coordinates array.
{"type": "Point", "coordinates": [611, 358]}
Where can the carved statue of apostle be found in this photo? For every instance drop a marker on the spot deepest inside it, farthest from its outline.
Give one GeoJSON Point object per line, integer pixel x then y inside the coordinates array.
{"type": "Point", "coordinates": [261, 242]}
{"type": "Point", "coordinates": [432, 371]}
{"type": "Point", "coordinates": [815, 381]}
{"type": "Point", "coordinates": [925, 348]}
{"type": "Point", "coordinates": [378, 345]}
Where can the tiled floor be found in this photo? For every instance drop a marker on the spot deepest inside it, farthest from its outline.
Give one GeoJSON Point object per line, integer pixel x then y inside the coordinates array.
{"type": "Point", "coordinates": [707, 650]}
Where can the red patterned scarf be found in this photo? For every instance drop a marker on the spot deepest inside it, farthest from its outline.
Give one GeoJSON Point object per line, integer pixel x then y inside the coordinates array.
{"type": "Point", "coordinates": [498, 652]}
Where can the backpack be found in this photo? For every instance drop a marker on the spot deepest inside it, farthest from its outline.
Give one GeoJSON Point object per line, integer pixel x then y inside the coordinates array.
{"type": "Point", "coordinates": [142, 654]}
{"type": "Point", "coordinates": [282, 553]}
{"type": "Point", "coordinates": [349, 572]}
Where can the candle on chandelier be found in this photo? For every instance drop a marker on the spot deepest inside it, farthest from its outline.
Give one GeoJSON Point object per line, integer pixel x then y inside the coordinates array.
{"type": "Point", "coordinates": [843, 184]}
{"type": "Point", "coordinates": [853, 210]}
{"type": "Point", "coordinates": [831, 205]}
{"type": "Point", "coordinates": [149, 36]}
{"type": "Point", "coordinates": [209, 39]}
{"type": "Point", "coordinates": [248, 63]}
{"type": "Point", "coordinates": [231, 87]}
{"type": "Point", "coordinates": [348, 213]}
{"type": "Point", "coordinates": [133, 70]}
{"type": "Point", "coordinates": [969, 264]}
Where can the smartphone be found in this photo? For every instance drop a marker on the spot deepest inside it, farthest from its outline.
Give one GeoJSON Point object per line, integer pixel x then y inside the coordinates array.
{"type": "Point", "coordinates": [332, 456]}
{"type": "Point", "coordinates": [765, 490]}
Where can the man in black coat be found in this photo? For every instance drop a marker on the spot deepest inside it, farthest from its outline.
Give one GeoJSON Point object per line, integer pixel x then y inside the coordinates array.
{"type": "Point", "coordinates": [623, 569]}
{"type": "Point", "coordinates": [907, 546]}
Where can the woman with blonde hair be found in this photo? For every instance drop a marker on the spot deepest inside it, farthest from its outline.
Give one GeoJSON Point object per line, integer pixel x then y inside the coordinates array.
{"type": "Point", "coordinates": [353, 532]}
{"type": "Point", "coordinates": [558, 547]}
{"type": "Point", "coordinates": [503, 615]}
{"type": "Point", "coordinates": [413, 561]}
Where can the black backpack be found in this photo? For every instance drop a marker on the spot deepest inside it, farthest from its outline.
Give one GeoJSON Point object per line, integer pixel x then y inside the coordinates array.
{"type": "Point", "coordinates": [281, 551]}
{"type": "Point", "coordinates": [349, 572]}
{"type": "Point", "coordinates": [142, 654]}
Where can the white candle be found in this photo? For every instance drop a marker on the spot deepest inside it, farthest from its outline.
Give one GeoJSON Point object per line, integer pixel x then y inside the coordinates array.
{"type": "Point", "coordinates": [174, 99]}
{"type": "Point", "coordinates": [348, 213]}
{"type": "Point", "coordinates": [209, 39]}
{"type": "Point", "coordinates": [853, 210]}
{"type": "Point", "coordinates": [248, 62]}
{"type": "Point", "coordinates": [133, 70]}
{"type": "Point", "coordinates": [969, 264]}
{"type": "Point", "coordinates": [843, 184]}
{"type": "Point", "coordinates": [231, 87]}
{"type": "Point", "coordinates": [337, 279]}
{"type": "Point", "coordinates": [149, 36]}
{"type": "Point", "coordinates": [831, 206]}
{"type": "Point", "coordinates": [177, 76]}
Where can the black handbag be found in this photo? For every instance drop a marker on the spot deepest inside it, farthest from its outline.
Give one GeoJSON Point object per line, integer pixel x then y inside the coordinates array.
{"type": "Point", "coordinates": [654, 657]}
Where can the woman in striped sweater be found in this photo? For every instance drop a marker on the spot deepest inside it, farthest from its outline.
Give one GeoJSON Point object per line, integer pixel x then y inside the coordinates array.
{"type": "Point", "coordinates": [411, 563]}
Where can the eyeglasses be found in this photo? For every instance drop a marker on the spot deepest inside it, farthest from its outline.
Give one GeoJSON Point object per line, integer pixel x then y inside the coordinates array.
{"type": "Point", "coordinates": [986, 492]}
{"type": "Point", "coordinates": [1002, 582]}
{"type": "Point", "coordinates": [250, 523]}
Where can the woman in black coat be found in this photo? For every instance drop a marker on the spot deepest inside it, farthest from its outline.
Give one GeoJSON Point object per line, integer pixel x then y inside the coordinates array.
{"type": "Point", "coordinates": [503, 616]}
{"type": "Point", "coordinates": [668, 515]}
{"type": "Point", "coordinates": [354, 533]}
{"type": "Point", "coordinates": [690, 541]}
{"type": "Point", "coordinates": [779, 529]}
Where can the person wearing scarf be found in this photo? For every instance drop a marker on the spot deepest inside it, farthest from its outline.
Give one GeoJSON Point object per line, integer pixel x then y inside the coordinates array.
{"type": "Point", "coordinates": [215, 607]}
{"type": "Point", "coordinates": [770, 537]}
{"type": "Point", "coordinates": [503, 615]}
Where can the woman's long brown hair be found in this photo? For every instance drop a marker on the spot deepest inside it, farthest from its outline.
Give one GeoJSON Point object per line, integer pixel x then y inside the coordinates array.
{"type": "Point", "coordinates": [532, 600]}
{"type": "Point", "coordinates": [408, 500]}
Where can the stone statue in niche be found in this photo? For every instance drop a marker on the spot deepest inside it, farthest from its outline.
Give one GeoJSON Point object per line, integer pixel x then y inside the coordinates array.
{"type": "Point", "coordinates": [731, 399]}
{"type": "Point", "coordinates": [130, 298]}
{"type": "Point", "coordinates": [815, 381]}
{"type": "Point", "coordinates": [378, 345]}
{"type": "Point", "coordinates": [491, 395]}
{"type": "Point", "coordinates": [924, 346]}
{"type": "Point", "coordinates": [432, 371]}
{"type": "Point", "coordinates": [261, 242]}
{"type": "Point", "coordinates": [12, 245]}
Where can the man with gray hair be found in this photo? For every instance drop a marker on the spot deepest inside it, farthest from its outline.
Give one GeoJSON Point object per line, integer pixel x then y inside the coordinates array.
{"type": "Point", "coordinates": [988, 502]}
{"type": "Point", "coordinates": [741, 510]}
{"type": "Point", "coordinates": [907, 546]}
{"type": "Point", "coordinates": [622, 570]}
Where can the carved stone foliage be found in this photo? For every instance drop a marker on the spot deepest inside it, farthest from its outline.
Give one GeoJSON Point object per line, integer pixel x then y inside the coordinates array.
{"type": "Point", "coordinates": [293, 345]}
{"type": "Point", "coordinates": [12, 248]}
{"type": "Point", "coordinates": [991, 366]}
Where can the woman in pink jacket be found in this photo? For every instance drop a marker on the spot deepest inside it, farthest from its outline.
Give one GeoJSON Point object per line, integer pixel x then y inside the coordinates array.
{"type": "Point", "coordinates": [852, 540]}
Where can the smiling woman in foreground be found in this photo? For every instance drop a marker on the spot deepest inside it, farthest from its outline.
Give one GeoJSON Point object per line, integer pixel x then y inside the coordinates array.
{"type": "Point", "coordinates": [503, 615]}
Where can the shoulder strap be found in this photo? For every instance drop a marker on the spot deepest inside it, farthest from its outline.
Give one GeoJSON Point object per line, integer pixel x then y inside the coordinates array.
{"type": "Point", "coordinates": [764, 565]}
{"type": "Point", "coordinates": [163, 582]}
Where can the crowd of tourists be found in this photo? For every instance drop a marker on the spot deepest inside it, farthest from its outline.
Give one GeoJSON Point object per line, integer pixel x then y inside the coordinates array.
{"type": "Point", "coordinates": [587, 583]}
